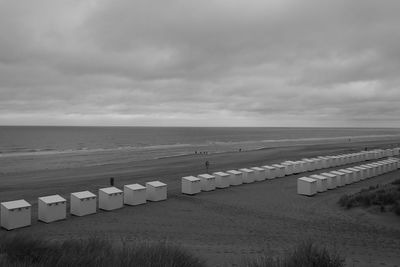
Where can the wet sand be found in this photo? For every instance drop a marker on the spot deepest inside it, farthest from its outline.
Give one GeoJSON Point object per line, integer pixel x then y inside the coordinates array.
{"type": "Point", "coordinates": [227, 225]}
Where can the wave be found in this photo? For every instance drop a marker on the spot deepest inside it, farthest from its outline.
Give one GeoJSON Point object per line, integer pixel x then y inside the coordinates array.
{"type": "Point", "coordinates": [183, 149]}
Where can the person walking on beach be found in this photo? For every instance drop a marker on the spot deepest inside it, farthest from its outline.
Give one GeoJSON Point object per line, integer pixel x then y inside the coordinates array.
{"type": "Point", "coordinates": [207, 163]}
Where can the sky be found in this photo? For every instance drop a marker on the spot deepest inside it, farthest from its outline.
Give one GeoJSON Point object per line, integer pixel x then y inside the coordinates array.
{"type": "Point", "coordinates": [289, 63]}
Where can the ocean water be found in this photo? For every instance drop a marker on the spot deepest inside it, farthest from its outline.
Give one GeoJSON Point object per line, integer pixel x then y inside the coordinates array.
{"type": "Point", "coordinates": [41, 147]}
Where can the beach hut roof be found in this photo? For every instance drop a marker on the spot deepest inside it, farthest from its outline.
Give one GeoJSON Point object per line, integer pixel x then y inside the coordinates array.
{"type": "Point", "coordinates": [269, 167]}
{"type": "Point", "coordinates": [83, 194]}
{"type": "Point", "coordinates": [258, 169]}
{"type": "Point", "coordinates": [246, 170]}
{"type": "Point", "coordinates": [206, 176]}
{"type": "Point", "coordinates": [156, 184]}
{"type": "Point", "coordinates": [316, 176]}
{"type": "Point", "coordinates": [191, 178]}
{"type": "Point", "coordinates": [307, 179]}
{"type": "Point", "coordinates": [52, 199]}
{"type": "Point", "coordinates": [221, 173]}
{"type": "Point", "coordinates": [359, 167]}
{"type": "Point", "coordinates": [111, 190]}
{"type": "Point", "coordinates": [15, 204]}
{"type": "Point", "coordinates": [234, 172]}
{"type": "Point", "coordinates": [328, 174]}
{"type": "Point", "coordinates": [135, 186]}
{"type": "Point", "coordinates": [278, 166]}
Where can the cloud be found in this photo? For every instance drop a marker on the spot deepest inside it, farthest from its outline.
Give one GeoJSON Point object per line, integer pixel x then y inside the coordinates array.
{"type": "Point", "coordinates": [250, 63]}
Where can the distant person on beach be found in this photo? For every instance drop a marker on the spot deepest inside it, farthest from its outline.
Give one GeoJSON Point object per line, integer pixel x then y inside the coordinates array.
{"type": "Point", "coordinates": [207, 164]}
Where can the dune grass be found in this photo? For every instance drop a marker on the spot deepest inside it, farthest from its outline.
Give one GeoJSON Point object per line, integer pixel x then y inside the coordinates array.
{"type": "Point", "coordinates": [306, 254]}
{"type": "Point", "coordinates": [20, 250]}
{"type": "Point", "coordinates": [387, 197]}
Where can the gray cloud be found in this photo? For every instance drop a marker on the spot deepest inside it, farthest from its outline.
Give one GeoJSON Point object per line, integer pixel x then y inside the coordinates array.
{"type": "Point", "coordinates": [308, 63]}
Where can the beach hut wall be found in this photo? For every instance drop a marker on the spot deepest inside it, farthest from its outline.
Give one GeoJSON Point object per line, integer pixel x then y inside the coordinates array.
{"type": "Point", "coordinates": [15, 214]}
{"type": "Point", "coordinates": [52, 208]}
{"type": "Point", "coordinates": [156, 191]}
{"type": "Point", "coordinates": [83, 203]}
{"type": "Point", "coordinates": [134, 194]}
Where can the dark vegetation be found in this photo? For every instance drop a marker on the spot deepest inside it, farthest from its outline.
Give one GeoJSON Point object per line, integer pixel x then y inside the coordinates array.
{"type": "Point", "coordinates": [387, 197]}
{"type": "Point", "coordinates": [21, 250]}
{"type": "Point", "coordinates": [307, 254]}
{"type": "Point", "coordinates": [18, 250]}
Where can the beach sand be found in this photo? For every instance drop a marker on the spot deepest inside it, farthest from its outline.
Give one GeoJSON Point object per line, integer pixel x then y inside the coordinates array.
{"type": "Point", "coordinates": [224, 226]}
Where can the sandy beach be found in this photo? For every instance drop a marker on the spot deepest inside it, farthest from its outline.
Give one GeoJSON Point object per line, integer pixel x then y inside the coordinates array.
{"type": "Point", "coordinates": [223, 226]}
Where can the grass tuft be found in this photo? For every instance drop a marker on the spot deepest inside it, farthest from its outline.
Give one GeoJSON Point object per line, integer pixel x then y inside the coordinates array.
{"type": "Point", "coordinates": [386, 197]}
{"type": "Point", "coordinates": [18, 250]}
{"type": "Point", "coordinates": [304, 255]}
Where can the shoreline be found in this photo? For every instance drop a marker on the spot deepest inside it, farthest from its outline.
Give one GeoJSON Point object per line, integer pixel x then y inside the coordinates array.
{"type": "Point", "coordinates": [223, 225]}
{"type": "Point", "coordinates": [101, 157]}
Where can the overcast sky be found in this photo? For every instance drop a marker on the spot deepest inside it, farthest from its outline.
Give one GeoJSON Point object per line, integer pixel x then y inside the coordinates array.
{"type": "Point", "coordinates": [200, 63]}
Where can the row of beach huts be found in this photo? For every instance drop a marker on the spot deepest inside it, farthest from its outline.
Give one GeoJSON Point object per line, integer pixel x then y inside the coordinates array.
{"type": "Point", "coordinates": [317, 183]}
{"type": "Point", "coordinates": [17, 214]}
{"type": "Point", "coordinates": [206, 182]}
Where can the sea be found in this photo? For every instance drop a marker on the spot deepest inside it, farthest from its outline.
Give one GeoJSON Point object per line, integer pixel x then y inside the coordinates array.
{"type": "Point", "coordinates": [25, 148]}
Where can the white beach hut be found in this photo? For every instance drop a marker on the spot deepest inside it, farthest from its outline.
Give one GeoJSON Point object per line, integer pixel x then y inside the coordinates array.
{"type": "Point", "coordinates": [52, 208]}
{"type": "Point", "coordinates": [236, 177]}
{"type": "Point", "coordinates": [289, 168]}
{"type": "Point", "coordinates": [322, 182]}
{"type": "Point", "coordinates": [297, 167]}
{"type": "Point", "coordinates": [330, 161]}
{"type": "Point", "coordinates": [332, 179]}
{"type": "Point", "coordinates": [363, 155]}
{"type": "Point", "coordinates": [111, 198]}
{"type": "Point", "coordinates": [375, 169]}
{"type": "Point", "coordinates": [334, 161]}
{"type": "Point", "coordinates": [222, 179]}
{"type": "Point", "coordinates": [348, 159]}
{"type": "Point", "coordinates": [156, 191]}
{"type": "Point", "coordinates": [378, 168]}
{"type": "Point", "coordinates": [391, 164]}
{"type": "Point", "coordinates": [83, 203]}
{"type": "Point", "coordinates": [371, 155]}
{"type": "Point", "coordinates": [259, 173]}
{"type": "Point", "coordinates": [343, 159]}
{"type": "Point", "coordinates": [363, 172]}
{"type": "Point", "coordinates": [368, 170]}
{"type": "Point", "coordinates": [349, 176]}
{"type": "Point", "coordinates": [134, 194]}
{"type": "Point", "coordinates": [324, 161]}
{"type": "Point", "coordinates": [308, 165]}
{"type": "Point", "coordinates": [356, 174]}
{"type": "Point", "coordinates": [280, 170]}
{"type": "Point", "coordinates": [248, 175]}
{"type": "Point", "coordinates": [190, 185]}
{"type": "Point", "coordinates": [396, 163]}
{"type": "Point", "coordinates": [301, 166]}
{"type": "Point", "coordinates": [15, 214]}
{"type": "Point", "coordinates": [270, 172]}
{"type": "Point", "coordinates": [306, 186]}
{"type": "Point", "coordinates": [341, 178]}
{"type": "Point", "coordinates": [207, 182]}
{"type": "Point", "coordinates": [386, 166]}
{"type": "Point", "coordinates": [318, 163]}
